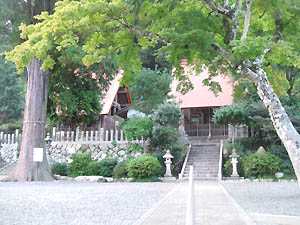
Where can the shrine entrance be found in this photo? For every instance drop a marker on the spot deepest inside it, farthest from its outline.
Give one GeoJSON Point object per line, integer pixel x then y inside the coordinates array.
{"type": "Point", "coordinates": [197, 122]}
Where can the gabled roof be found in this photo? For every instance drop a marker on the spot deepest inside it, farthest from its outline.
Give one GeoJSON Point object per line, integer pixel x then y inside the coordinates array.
{"type": "Point", "coordinates": [111, 94]}
{"type": "Point", "coordinates": [200, 96]}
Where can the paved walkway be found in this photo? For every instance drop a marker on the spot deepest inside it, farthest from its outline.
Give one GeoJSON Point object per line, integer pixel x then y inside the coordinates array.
{"type": "Point", "coordinates": [213, 205]}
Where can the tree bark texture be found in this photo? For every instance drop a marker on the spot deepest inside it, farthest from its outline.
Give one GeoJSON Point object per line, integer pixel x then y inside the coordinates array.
{"type": "Point", "coordinates": [33, 135]}
{"type": "Point", "coordinates": [282, 123]}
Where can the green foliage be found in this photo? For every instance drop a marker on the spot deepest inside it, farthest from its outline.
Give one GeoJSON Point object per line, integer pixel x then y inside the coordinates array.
{"type": "Point", "coordinates": [136, 128]}
{"type": "Point", "coordinates": [235, 114]}
{"type": "Point", "coordinates": [11, 93]}
{"type": "Point", "coordinates": [75, 92]}
{"type": "Point", "coordinates": [150, 88]}
{"type": "Point", "coordinates": [121, 170]}
{"type": "Point", "coordinates": [285, 165]}
{"type": "Point", "coordinates": [93, 168]}
{"type": "Point", "coordinates": [10, 127]}
{"type": "Point", "coordinates": [167, 114]}
{"type": "Point", "coordinates": [163, 136]}
{"type": "Point", "coordinates": [60, 169]}
{"type": "Point", "coordinates": [133, 147]}
{"type": "Point", "coordinates": [143, 167]}
{"type": "Point", "coordinates": [259, 165]}
{"type": "Point", "coordinates": [80, 164]}
{"type": "Point", "coordinates": [106, 167]}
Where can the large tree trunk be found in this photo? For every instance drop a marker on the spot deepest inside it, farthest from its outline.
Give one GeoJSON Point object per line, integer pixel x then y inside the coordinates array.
{"type": "Point", "coordinates": [282, 123]}
{"type": "Point", "coordinates": [33, 135]}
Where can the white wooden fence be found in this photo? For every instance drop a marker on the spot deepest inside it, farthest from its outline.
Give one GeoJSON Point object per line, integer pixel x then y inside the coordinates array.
{"type": "Point", "coordinates": [91, 136]}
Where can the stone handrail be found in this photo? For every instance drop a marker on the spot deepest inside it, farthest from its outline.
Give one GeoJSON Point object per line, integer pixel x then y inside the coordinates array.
{"type": "Point", "coordinates": [220, 161]}
{"type": "Point", "coordinates": [189, 219]}
{"type": "Point", "coordinates": [184, 163]}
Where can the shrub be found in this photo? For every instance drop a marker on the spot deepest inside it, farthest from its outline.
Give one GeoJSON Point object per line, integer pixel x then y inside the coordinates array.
{"type": "Point", "coordinates": [121, 170]}
{"type": "Point", "coordinates": [93, 168]}
{"type": "Point", "coordinates": [136, 128]}
{"type": "Point", "coordinates": [80, 164]}
{"type": "Point", "coordinates": [286, 164]}
{"type": "Point", "coordinates": [60, 169]}
{"type": "Point", "coordinates": [164, 136]}
{"type": "Point", "coordinates": [106, 167]}
{"type": "Point", "coordinates": [11, 127]}
{"type": "Point", "coordinates": [143, 167]}
{"type": "Point", "coordinates": [260, 165]}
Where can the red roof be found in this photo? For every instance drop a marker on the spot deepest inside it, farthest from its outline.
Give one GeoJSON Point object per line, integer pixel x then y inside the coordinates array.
{"type": "Point", "coordinates": [200, 96]}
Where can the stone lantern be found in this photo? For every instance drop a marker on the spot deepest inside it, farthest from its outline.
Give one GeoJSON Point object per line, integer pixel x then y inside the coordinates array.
{"type": "Point", "coordinates": [48, 141]}
{"type": "Point", "coordinates": [168, 163]}
{"type": "Point", "coordinates": [234, 156]}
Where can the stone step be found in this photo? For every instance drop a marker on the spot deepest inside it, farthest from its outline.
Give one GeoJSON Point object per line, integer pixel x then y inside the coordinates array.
{"type": "Point", "coordinates": [7, 170]}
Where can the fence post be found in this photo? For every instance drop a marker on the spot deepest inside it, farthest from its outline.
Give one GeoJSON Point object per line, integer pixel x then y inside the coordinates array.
{"type": "Point", "coordinates": [1, 136]}
{"type": "Point", "coordinates": [72, 136]}
{"type": "Point", "coordinates": [92, 135]}
{"type": "Point", "coordinates": [122, 135]}
{"type": "Point", "coordinates": [96, 135]}
{"type": "Point", "coordinates": [53, 133]}
{"type": "Point", "coordinates": [77, 134]}
{"type": "Point", "coordinates": [117, 135]}
{"type": "Point", "coordinates": [111, 135]}
{"type": "Point", "coordinates": [106, 135]}
{"type": "Point", "coordinates": [87, 136]}
{"type": "Point", "coordinates": [82, 136]}
{"type": "Point", "coordinates": [17, 136]}
{"type": "Point", "coordinates": [68, 134]}
{"type": "Point", "coordinates": [101, 134]}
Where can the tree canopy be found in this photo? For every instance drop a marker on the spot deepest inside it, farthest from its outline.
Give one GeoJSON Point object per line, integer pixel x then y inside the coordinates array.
{"type": "Point", "coordinates": [149, 89]}
{"type": "Point", "coordinates": [245, 38]}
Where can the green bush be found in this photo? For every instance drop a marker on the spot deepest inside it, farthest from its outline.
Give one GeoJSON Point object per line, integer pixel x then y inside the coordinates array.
{"type": "Point", "coordinates": [11, 127]}
{"type": "Point", "coordinates": [144, 167]}
{"type": "Point", "coordinates": [286, 165]}
{"type": "Point", "coordinates": [106, 167]}
{"type": "Point", "coordinates": [260, 165]}
{"type": "Point", "coordinates": [60, 169]}
{"type": "Point", "coordinates": [93, 168]}
{"type": "Point", "coordinates": [121, 170]}
{"type": "Point", "coordinates": [80, 164]}
{"type": "Point", "coordinates": [136, 128]}
{"type": "Point", "coordinates": [163, 137]}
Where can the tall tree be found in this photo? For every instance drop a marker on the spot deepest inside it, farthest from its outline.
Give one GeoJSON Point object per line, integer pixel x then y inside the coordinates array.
{"type": "Point", "coordinates": [204, 32]}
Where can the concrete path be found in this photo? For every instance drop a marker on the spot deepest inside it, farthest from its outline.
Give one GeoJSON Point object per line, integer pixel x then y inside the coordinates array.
{"type": "Point", "coordinates": [213, 205]}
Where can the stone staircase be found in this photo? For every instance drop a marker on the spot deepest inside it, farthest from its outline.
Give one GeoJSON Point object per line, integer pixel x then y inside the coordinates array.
{"type": "Point", "coordinates": [7, 169]}
{"type": "Point", "coordinates": [205, 160]}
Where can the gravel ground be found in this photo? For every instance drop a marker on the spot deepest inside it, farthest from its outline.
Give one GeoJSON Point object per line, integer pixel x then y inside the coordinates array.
{"type": "Point", "coordinates": [70, 203]}
{"type": "Point", "coordinates": [266, 197]}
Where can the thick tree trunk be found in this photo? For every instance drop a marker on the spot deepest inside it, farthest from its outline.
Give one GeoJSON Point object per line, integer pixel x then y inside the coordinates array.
{"type": "Point", "coordinates": [33, 135]}
{"type": "Point", "coordinates": [282, 123]}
